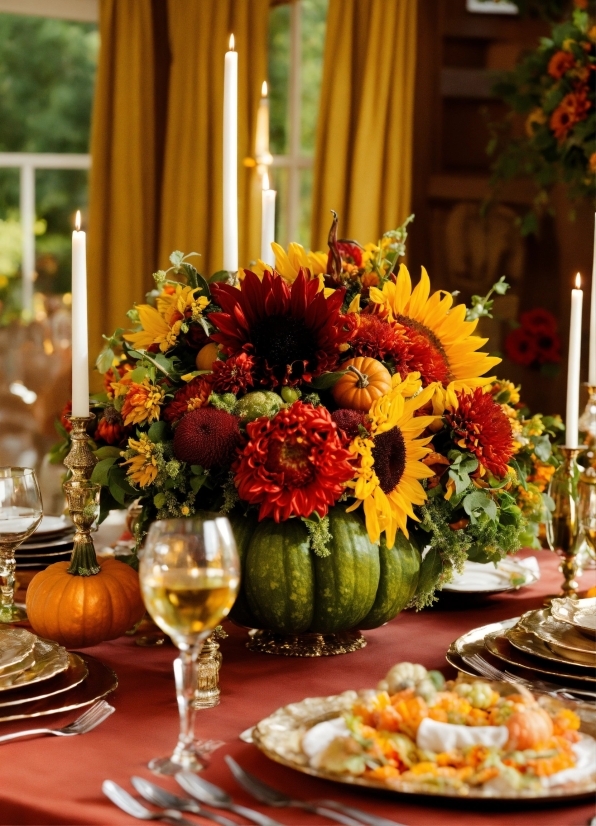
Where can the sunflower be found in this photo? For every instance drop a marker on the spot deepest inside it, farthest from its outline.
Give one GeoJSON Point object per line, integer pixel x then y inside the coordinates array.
{"type": "Point", "coordinates": [387, 481]}
{"type": "Point", "coordinates": [441, 334]}
{"type": "Point", "coordinates": [293, 332]}
{"type": "Point", "coordinates": [288, 264]}
{"type": "Point", "coordinates": [143, 465]}
{"type": "Point", "coordinates": [162, 325]}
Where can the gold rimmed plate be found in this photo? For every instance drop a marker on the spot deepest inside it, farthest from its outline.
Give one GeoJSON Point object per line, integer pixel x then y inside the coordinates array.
{"type": "Point", "coordinates": [563, 639]}
{"type": "Point", "coordinates": [472, 642]}
{"type": "Point", "coordinates": [76, 672]}
{"type": "Point", "coordinates": [279, 737]}
{"type": "Point", "coordinates": [50, 659]}
{"type": "Point", "coordinates": [100, 682]}
{"type": "Point", "coordinates": [16, 646]}
{"type": "Point", "coordinates": [500, 646]}
{"type": "Point", "coordinates": [581, 613]}
{"type": "Point", "coordinates": [531, 644]}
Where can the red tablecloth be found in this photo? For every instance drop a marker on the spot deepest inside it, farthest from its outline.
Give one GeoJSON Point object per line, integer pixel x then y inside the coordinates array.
{"type": "Point", "coordinates": [58, 781]}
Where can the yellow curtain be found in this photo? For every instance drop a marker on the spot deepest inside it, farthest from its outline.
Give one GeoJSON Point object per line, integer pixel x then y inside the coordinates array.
{"type": "Point", "coordinates": [156, 144]}
{"type": "Point", "coordinates": [363, 159]}
{"type": "Point", "coordinates": [192, 194]}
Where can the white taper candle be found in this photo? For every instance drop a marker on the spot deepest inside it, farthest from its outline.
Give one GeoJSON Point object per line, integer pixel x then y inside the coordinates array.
{"type": "Point", "coordinates": [267, 222]}
{"type": "Point", "coordinates": [80, 342]}
{"type": "Point", "coordinates": [230, 161]}
{"type": "Point", "coordinates": [573, 366]}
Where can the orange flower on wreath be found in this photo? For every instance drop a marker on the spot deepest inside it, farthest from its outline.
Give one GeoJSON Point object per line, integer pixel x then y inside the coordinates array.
{"type": "Point", "coordinates": [142, 403]}
{"type": "Point", "coordinates": [560, 63]}
{"type": "Point", "coordinates": [572, 109]}
{"type": "Point", "coordinates": [592, 163]}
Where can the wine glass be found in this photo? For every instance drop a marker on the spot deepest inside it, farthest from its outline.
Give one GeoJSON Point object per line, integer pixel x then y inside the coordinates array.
{"type": "Point", "coordinates": [189, 572]}
{"type": "Point", "coordinates": [20, 514]}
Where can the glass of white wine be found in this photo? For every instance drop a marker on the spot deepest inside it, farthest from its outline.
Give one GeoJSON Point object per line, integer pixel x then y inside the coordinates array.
{"type": "Point", "coordinates": [189, 572]}
{"type": "Point", "coordinates": [20, 514]}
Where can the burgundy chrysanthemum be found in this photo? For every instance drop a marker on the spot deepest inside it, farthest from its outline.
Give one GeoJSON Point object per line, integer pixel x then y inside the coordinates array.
{"type": "Point", "coordinates": [379, 339]}
{"type": "Point", "coordinates": [293, 464]}
{"type": "Point", "coordinates": [190, 397]}
{"type": "Point", "coordinates": [349, 422]}
{"type": "Point", "coordinates": [207, 437]}
{"type": "Point", "coordinates": [234, 375]}
{"type": "Point", "coordinates": [520, 346]}
{"type": "Point", "coordinates": [293, 332]}
{"type": "Point", "coordinates": [480, 426]}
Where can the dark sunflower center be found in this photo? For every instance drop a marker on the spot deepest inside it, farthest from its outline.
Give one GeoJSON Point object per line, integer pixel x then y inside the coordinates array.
{"type": "Point", "coordinates": [389, 454]}
{"type": "Point", "coordinates": [290, 458]}
{"type": "Point", "coordinates": [282, 340]}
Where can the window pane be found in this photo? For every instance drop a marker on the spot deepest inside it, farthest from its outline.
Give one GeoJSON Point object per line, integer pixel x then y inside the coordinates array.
{"type": "Point", "coordinates": [280, 183]}
{"type": "Point", "coordinates": [313, 23]}
{"type": "Point", "coordinates": [279, 73]}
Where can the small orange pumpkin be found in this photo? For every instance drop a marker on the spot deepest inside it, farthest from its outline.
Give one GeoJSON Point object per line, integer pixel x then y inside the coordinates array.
{"type": "Point", "coordinates": [529, 726]}
{"type": "Point", "coordinates": [366, 381]}
{"type": "Point", "coordinates": [206, 356]}
{"type": "Point", "coordinates": [78, 611]}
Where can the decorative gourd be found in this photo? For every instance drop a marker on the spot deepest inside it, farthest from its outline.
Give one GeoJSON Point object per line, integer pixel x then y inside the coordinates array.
{"type": "Point", "coordinates": [76, 608]}
{"type": "Point", "coordinates": [365, 381]}
{"type": "Point", "coordinates": [529, 727]}
{"type": "Point", "coordinates": [288, 589]}
{"type": "Point", "coordinates": [206, 356]}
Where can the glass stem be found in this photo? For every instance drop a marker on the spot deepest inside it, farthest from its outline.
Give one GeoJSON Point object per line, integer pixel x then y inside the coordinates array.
{"type": "Point", "coordinates": [7, 578]}
{"type": "Point", "coordinates": [185, 675]}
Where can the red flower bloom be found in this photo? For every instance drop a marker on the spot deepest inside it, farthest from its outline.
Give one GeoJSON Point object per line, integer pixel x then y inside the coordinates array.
{"type": "Point", "coordinates": [549, 348]}
{"type": "Point", "coordinates": [207, 437]}
{"type": "Point", "coordinates": [538, 320]}
{"type": "Point", "coordinates": [572, 109]}
{"type": "Point", "coordinates": [560, 63]}
{"type": "Point", "coordinates": [293, 464]}
{"type": "Point", "coordinates": [234, 375]}
{"type": "Point", "coordinates": [378, 339]}
{"type": "Point", "coordinates": [194, 395]}
{"type": "Point", "coordinates": [480, 426]}
{"type": "Point", "coordinates": [349, 423]}
{"type": "Point", "coordinates": [114, 375]}
{"type": "Point", "coordinates": [349, 252]}
{"type": "Point", "coordinates": [520, 346]}
{"type": "Point", "coordinates": [293, 332]}
{"type": "Point", "coordinates": [110, 428]}
{"type": "Point", "coordinates": [64, 420]}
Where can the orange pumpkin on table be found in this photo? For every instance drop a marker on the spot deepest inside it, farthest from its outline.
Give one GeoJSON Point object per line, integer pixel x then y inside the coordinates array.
{"type": "Point", "coordinates": [76, 608]}
{"type": "Point", "coordinates": [365, 381]}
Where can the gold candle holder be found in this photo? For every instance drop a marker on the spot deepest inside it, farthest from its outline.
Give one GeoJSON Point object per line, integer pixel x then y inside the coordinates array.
{"type": "Point", "coordinates": [208, 666]}
{"type": "Point", "coordinates": [563, 527]}
{"type": "Point", "coordinates": [80, 460]}
{"type": "Point", "coordinates": [82, 496]}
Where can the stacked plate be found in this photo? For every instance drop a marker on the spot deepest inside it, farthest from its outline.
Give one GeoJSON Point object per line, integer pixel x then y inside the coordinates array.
{"type": "Point", "coordinates": [556, 644]}
{"type": "Point", "coordinates": [39, 677]}
{"type": "Point", "coordinates": [51, 542]}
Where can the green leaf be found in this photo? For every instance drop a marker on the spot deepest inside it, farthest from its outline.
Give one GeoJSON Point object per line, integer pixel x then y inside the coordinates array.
{"type": "Point", "coordinates": [157, 432]}
{"type": "Point", "coordinates": [107, 503]}
{"type": "Point", "coordinates": [118, 477]}
{"type": "Point", "coordinates": [197, 470]}
{"type": "Point", "coordinates": [108, 452]}
{"type": "Point", "coordinates": [139, 374]}
{"type": "Point", "coordinates": [176, 258]}
{"type": "Point", "coordinates": [159, 500]}
{"type": "Point", "coordinates": [327, 380]}
{"type": "Point", "coordinates": [105, 360]}
{"type": "Point", "coordinates": [430, 571]}
{"type": "Point", "coordinates": [197, 482]}
{"type": "Point", "coordinates": [101, 471]}
{"type": "Point", "coordinates": [222, 276]}
{"type": "Point", "coordinates": [542, 447]}
{"type": "Point", "coordinates": [477, 503]}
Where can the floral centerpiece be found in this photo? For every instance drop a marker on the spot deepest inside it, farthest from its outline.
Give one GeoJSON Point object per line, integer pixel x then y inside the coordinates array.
{"type": "Point", "coordinates": [342, 417]}
{"type": "Point", "coordinates": [552, 87]}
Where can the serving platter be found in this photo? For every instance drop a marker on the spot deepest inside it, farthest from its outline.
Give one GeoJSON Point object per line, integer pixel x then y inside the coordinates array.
{"type": "Point", "coordinates": [279, 737]}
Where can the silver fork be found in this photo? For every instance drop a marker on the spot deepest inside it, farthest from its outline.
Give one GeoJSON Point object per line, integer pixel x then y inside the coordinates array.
{"type": "Point", "coordinates": [166, 800]}
{"type": "Point", "coordinates": [214, 796]}
{"type": "Point", "coordinates": [131, 806]}
{"type": "Point", "coordinates": [266, 794]}
{"type": "Point", "coordinates": [87, 721]}
{"type": "Point", "coordinates": [485, 669]}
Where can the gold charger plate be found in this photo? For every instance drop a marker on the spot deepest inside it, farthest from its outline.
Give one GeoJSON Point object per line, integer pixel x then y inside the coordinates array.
{"type": "Point", "coordinates": [472, 642]}
{"type": "Point", "coordinates": [16, 645]}
{"type": "Point", "coordinates": [100, 681]}
{"type": "Point", "coordinates": [531, 644]}
{"type": "Point", "coordinates": [499, 646]}
{"type": "Point", "coordinates": [581, 613]}
{"type": "Point", "coordinates": [279, 737]}
{"type": "Point", "coordinates": [74, 675]}
{"type": "Point", "coordinates": [560, 637]}
{"type": "Point", "coordinates": [50, 659]}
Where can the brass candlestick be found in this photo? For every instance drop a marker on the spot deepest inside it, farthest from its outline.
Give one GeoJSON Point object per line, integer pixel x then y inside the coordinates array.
{"type": "Point", "coordinates": [563, 527]}
{"type": "Point", "coordinates": [208, 665]}
{"type": "Point", "coordinates": [82, 496]}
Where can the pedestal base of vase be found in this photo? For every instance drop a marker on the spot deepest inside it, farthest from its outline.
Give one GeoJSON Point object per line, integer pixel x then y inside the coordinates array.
{"type": "Point", "coordinates": [168, 766]}
{"type": "Point", "coordinates": [305, 645]}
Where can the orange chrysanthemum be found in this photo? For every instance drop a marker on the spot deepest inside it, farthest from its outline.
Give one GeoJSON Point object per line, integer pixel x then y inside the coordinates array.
{"type": "Point", "coordinates": [142, 403]}
{"type": "Point", "coordinates": [480, 426]}
{"type": "Point", "coordinates": [560, 63]}
{"type": "Point", "coordinates": [572, 109]}
{"type": "Point", "coordinates": [194, 395]}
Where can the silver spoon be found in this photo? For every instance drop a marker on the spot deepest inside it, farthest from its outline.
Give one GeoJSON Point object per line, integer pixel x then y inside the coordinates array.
{"type": "Point", "coordinates": [214, 796]}
{"type": "Point", "coordinates": [161, 797]}
{"type": "Point", "coordinates": [128, 804]}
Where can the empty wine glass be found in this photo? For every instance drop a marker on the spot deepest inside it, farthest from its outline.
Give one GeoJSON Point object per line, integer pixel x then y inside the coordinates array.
{"type": "Point", "coordinates": [189, 572]}
{"type": "Point", "coordinates": [20, 514]}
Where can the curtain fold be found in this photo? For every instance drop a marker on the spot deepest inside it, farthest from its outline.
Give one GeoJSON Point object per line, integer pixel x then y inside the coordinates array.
{"type": "Point", "coordinates": [156, 178]}
{"type": "Point", "coordinates": [192, 194]}
{"type": "Point", "coordinates": [363, 159]}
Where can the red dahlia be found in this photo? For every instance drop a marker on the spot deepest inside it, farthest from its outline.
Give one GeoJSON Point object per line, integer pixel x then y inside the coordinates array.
{"type": "Point", "coordinates": [520, 346]}
{"type": "Point", "coordinates": [480, 426]}
{"type": "Point", "coordinates": [234, 375]}
{"type": "Point", "coordinates": [293, 332]}
{"type": "Point", "coordinates": [207, 437]}
{"type": "Point", "coordinates": [538, 320]}
{"type": "Point", "coordinates": [110, 428]}
{"type": "Point", "coordinates": [349, 422]}
{"type": "Point", "coordinates": [293, 464]}
{"type": "Point", "coordinates": [194, 395]}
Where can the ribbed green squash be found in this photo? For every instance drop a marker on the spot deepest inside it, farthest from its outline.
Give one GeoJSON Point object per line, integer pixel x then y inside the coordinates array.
{"type": "Point", "coordinates": [288, 589]}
